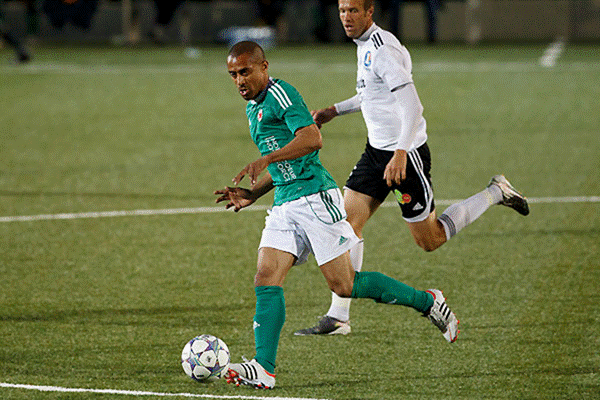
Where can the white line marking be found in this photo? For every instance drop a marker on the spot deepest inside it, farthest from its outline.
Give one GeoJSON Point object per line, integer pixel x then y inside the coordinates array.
{"type": "Point", "coordinates": [140, 393]}
{"type": "Point", "coordinates": [552, 53]}
{"type": "Point", "coordinates": [209, 210]}
{"type": "Point", "coordinates": [125, 213]}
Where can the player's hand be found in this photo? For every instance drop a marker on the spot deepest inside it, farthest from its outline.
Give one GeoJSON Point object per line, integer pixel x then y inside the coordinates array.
{"type": "Point", "coordinates": [323, 115]}
{"type": "Point", "coordinates": [253, 170]}
{"type": "Point", "coordinates": [237, 198]}
{"type": "Point", "coordinates": [395, 170]}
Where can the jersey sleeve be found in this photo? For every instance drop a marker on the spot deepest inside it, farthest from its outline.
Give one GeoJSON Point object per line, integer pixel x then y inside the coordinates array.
{"type": "Point", "coordinates": [290, 107]}
{"type": "Point", "coordinates": [392, 66]}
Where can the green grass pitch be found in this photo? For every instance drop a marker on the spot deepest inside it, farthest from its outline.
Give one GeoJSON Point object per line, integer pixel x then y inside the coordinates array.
{"type": "Point", "coordinates": [108, 303]}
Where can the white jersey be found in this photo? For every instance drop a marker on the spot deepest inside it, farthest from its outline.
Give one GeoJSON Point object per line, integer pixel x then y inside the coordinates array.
{"type": "Point", "coordinates": [384, 65]}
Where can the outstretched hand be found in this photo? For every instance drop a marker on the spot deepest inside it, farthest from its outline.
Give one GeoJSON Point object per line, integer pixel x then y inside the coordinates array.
{"type": "Point", "coordinates": [237, 198]}
{"type": "Point", "coordinates": [323, 115]}
{"type": "Point", "coordinates": [253, 170]}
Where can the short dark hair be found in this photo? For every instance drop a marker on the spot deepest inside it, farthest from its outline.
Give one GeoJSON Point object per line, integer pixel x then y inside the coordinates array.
{"type": "Point", "coordinates": [248, 47]}
{"type": "Point", "coordinates": [368, 4]}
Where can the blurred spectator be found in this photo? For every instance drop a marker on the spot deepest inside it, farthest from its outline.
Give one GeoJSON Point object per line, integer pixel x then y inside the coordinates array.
{"type": "Point", "coordinates": [78, 12]}
{"type": "Point", "coordinates": [322, 21]}
{"type": "Point", "coordinates": [11, 39]}
{"type": "Point", "coordinates": [395, 11]}
{"type": "Point", "coordinates": [32, 20]}
{"type": "Point", "coordinates": [269, 11]}
{"type": "Point", "coordinates": [165, 11]}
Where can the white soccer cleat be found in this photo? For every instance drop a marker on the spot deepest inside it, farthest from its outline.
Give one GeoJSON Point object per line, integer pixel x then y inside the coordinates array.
{"type": "Point", "coordinates": [442, 317]}
{"type": "Point", "coordinates": [250, 373]}
{"type": "Point", "coordinates": [510, 196]}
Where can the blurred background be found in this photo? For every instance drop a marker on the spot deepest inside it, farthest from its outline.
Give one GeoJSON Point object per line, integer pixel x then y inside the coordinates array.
{"type": "Point", "coordinates": [132, 22]}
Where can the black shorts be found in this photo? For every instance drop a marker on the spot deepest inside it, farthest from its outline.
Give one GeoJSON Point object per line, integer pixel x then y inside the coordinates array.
{"type": "Point", "coordinates": [414, 194]}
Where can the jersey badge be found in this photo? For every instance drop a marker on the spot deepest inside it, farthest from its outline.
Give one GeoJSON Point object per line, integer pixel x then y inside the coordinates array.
{"type": "Point", "coordinates": [368, 59]}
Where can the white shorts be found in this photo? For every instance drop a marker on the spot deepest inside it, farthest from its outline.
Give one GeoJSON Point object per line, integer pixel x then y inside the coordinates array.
{"type": "Point", "coordinates": [311, 224]}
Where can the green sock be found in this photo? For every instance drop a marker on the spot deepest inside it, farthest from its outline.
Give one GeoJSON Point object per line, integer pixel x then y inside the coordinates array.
{"type": "Point", "coordinates": [383, 289]}
{"type": "Point", "coordinates": [268, 321]}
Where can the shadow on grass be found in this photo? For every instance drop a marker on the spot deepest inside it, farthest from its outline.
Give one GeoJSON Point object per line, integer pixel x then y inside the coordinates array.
{"type": "Point", "coordinates": [113, 316]}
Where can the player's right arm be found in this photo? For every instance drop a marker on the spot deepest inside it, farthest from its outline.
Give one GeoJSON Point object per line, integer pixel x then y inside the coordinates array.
{"type": "Point", "coordinates": [325, 115]}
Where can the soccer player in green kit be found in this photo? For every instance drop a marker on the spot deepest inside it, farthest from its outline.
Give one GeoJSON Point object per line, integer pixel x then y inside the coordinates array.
{"type": "Point", "coordinates": [307, 216]}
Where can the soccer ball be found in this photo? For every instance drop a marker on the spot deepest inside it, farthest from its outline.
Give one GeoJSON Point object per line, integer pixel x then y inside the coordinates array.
{"type": "Point", "coordinates": [205, 357]}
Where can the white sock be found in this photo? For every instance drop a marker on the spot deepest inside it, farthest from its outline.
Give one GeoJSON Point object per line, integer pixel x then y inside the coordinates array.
{"type": "Point", "coordinates": [356, 255]}
{"type": "Point", "coordinates": [461, 214]}
{"type": "Point", "coordinates": [340, 306]}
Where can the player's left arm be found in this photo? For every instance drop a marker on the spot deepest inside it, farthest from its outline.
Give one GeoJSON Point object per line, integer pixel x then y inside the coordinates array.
{"type": "Point", "coordinates": [307, 139]}
{"type": "Point", "coordinates": [393, 65]}
{"type": "Point", "coordinates": [410, 111]}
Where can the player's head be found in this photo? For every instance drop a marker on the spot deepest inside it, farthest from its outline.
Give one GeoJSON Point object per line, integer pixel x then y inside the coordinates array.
{"type": "Point", "coordinates": [356, 16]}
{"type": "Point", "coordinates": [248, 68]}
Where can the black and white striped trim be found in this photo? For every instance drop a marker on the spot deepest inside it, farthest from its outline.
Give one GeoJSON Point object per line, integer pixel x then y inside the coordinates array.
{"type": "Point", "coordinates": [250, 371]}
{"type": "Point", "coordinates": [417, 162]}
{"type": "Point", "coordinates": [445, 219]}
{"type": "Point", "coordinates": [445, 311]}
{"type": "Point", "coordinates": [377, 40]}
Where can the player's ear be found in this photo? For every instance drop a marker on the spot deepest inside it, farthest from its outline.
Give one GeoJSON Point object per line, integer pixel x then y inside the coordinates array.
{"type": "Point", "coordinates": [265, 65]}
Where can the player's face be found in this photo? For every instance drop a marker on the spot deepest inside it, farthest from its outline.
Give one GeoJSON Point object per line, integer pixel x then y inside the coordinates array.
{"type": "Point", "coordinates": [249, 75]}
{"type": "Point", "coordinates": [355, 19]}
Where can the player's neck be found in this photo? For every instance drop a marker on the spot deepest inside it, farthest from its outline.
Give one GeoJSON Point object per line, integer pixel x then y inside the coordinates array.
{"type": "Point", "coordinates": [367, 32]}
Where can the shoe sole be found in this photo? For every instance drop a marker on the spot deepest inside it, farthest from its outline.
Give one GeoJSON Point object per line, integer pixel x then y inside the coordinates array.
{"type": "Point", "coordinates": [515, 199]}
{"type": "Point", "coordinates": [232, 377]}
{"type": "Point", "coordinates": [342, 330]}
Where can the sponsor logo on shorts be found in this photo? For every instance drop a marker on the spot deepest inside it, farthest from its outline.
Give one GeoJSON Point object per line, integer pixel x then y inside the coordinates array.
{"type": "Point", "coordinates": [417, 207]}
{"type": "Point", "coordinates": [402, 198]}
{"type": "Point", "coordinates": [342, 240]}
{"type": "Point", "coordinates": [260, 114]}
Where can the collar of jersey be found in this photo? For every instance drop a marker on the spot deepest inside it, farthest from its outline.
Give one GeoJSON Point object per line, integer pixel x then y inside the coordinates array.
{"type": "Point", "coordinates": [261, 96]}
{"type": "Point", "coordinates": [365, 36]}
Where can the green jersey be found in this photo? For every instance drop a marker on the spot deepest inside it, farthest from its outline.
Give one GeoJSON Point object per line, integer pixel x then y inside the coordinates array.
{"type": "Point", "coordinates": [274, 117]}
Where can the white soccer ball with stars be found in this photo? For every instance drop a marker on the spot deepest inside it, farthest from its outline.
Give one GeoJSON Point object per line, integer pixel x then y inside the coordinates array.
{"type": "Point", "coordinates": [205, 357]}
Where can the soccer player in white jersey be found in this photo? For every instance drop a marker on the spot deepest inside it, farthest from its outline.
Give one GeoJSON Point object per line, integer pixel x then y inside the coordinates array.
{"type": "Point", "coordinates": [396, 158]}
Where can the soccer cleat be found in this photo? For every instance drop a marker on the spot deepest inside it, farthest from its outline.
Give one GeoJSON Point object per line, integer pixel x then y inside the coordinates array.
{"type": "Point", "coordinates": [250, 373]}
{"type": "Point", "coordinates": [510, 196]}
{"type": "Point", "coordinates": [326, 326]}
{"type": "Point", "coordinates": [442, 317]}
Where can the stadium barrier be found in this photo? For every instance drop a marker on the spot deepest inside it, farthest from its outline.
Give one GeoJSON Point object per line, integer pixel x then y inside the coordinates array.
{"type": "Point", "coordinates": [458, 20]}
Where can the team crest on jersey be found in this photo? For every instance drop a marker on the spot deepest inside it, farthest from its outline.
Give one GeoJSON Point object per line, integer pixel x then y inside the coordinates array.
{"type": "Point", "coordinates": [260, 114]}
{"type": "Point", "coordinates": [368, 59]}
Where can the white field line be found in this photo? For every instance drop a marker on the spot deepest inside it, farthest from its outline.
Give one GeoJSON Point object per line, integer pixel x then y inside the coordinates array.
{"type": "Point", "coordinates": [216, 209]}
{"type": "Point", "coordinates": [306, 66]}
{"type": "Point", "coordinates": [138, 393]}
